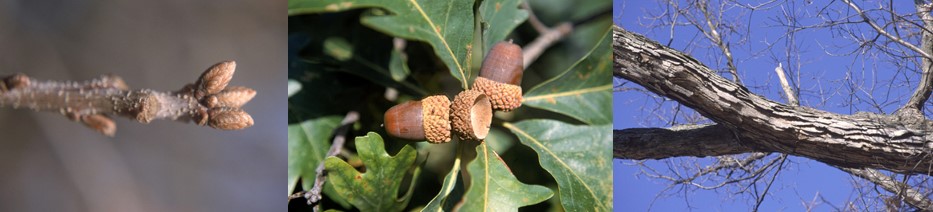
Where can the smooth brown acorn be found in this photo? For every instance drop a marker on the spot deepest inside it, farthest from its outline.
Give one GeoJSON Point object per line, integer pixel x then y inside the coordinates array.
{"type": "Point", "coordinates": [427, 119]}
{"type": "Point", "coordinates": [501, 76]}
{"type": "Point", "coordinates": [472, 115]}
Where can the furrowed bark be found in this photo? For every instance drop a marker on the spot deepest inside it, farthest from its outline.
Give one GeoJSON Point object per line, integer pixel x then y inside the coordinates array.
{"type": "Point", "coordinates": [684, 140]}
{"type": "Point", "coordinates": [716, 140]}
{"type": "Point", "coordinates": [898, 143]}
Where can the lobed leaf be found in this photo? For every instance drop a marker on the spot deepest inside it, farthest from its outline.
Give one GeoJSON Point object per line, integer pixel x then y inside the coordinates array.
{"type": "Point", "coordinates": [377, 188]}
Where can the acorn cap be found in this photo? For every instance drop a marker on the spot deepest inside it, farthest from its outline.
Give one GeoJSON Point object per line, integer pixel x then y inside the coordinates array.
{"type": "Point", "coordinates": [427, 119]}
{"type": "Point", "coordinates": [436, 113]}
{"type": "Point", "coordinates": [504, 97]}
{"type": "Point", "coordinates": [472, 115]}
{"type": "Point", "coordinates": [503, 64]}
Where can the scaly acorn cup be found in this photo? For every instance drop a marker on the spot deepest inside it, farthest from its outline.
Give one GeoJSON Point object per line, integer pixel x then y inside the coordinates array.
{"type": "Point", "coordinates": [472, 115]}
{"type": "Point", "coordinates": [428, 119]}
{"type": "Point", "coordinates": [501, 76]}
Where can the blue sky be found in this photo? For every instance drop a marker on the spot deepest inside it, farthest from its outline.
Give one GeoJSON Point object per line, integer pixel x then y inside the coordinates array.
{"type": "Point", "coordinates": [821, 78]}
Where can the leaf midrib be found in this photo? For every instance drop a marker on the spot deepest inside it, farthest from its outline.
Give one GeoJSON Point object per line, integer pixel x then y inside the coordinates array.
{"type": "Point", "coordinates": [443, 40]}
{"type": "Point", "coordinates": [568, 93]}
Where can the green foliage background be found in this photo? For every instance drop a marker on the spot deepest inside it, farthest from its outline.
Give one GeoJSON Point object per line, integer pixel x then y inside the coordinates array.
{"type": "Point", "coordinates": [553, 153]}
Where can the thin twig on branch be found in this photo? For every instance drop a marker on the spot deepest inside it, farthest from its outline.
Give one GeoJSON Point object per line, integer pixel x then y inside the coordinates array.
{"type": "Point", "coordinates": [208, 101]}
{"type": "Point", "coordinates": [314, 194]}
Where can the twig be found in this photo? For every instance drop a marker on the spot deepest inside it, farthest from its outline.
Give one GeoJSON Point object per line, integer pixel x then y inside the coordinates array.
{"type": "Point", "coordinates": [788, 90]}
{"type": "Point", "coordinates": [208, 101]}
{"type": "Point", "coordinates": [340, 137]}
{"type": "Point", "coordinates": [533, 19]}
{"type": "Point", "coordinates": [552, 35]}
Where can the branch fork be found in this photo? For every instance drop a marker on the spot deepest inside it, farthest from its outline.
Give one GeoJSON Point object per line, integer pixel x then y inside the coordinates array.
{"type": "Point", "coordinates": [207, 101]}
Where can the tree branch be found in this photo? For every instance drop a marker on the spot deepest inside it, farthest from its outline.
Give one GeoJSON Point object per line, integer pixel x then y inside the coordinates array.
{"type": "Point", "coordinates": [683, 140]}
{"type": "Point", "coordinates": [208, 101]}
{"type": "Point", "coordinates": [716, 140]}
{"type": "Point", "coordinates": [716, 38]}
{"type": "Point", "coordinates": [896, 143]}
{"type": "Point", "coordinates": [923, 91]}
{"type": "Point", "coordinates": [910, 196]}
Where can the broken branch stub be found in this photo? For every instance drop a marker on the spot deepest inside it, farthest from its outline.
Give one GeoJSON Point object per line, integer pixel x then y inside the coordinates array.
{"type": "Point", "coordinates": [207, 101]}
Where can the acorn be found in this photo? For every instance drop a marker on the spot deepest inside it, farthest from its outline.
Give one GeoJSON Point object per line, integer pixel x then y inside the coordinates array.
{"type": "Point", "coordinates": [472, 115]}
{"type": "Point", "coordinates": [501, 76]}
{"type": "Point", "coordinates": [428, 119]}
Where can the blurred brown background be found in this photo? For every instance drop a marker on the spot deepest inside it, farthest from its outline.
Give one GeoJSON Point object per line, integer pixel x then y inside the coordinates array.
{"type": "Point", "coordinates": [49, 163]}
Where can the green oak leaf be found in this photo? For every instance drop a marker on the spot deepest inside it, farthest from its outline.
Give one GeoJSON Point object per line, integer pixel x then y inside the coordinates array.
{"type": "Point", "coordinates": [493, 187]}
{"type": "Point", "coordinates": [500, 17]}
{"type": "Point", "coordinates": [446, 25]}
{"type": "Point", "coordinates": [577, 156]}
{"type": "Point", "coordinates": [307, 147]}
{"type": "Point", "coordinates": [377, 188]}
{"type": "Point", "coordinates": [583, 91]}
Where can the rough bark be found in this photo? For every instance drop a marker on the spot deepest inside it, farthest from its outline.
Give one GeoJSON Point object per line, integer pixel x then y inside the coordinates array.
{"type": "Point", "coordinates": [899, 143]}
{"type": "Point", "coordinates": [684, 140]}
{"type": "Point", "coordinates": [715, 140]}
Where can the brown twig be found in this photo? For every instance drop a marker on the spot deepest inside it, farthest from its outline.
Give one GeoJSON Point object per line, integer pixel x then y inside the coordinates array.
{"type": "Point", "coordinates": [533, 19]}
{"type": "Point", "coordinates": [208, 101]}
{"type": "Point", "coordinates": [552, 35]}
{"type": "Point", "coordinates": [314, 194]}
{"type": "Point", "coordinates": [548, 36]}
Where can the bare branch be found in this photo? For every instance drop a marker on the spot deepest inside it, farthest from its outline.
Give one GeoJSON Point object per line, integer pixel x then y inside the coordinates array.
{"type": "Point", "coordinates": [923, 91]}
{"type": "Point", "coordinates": [885, 33]}
{"type": "Point", "coordinates": [910, 195]}
{"type": "Point", "coordinates": [208, 101]}
{"type": "Point", "coordinates": [340, 137]}
{"type": "Point", "coordinates": [716, 38]}
{"type": "Point", "coordinates": [788, 90]}
{"type": "Point", "coordinates": [895, 143]}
